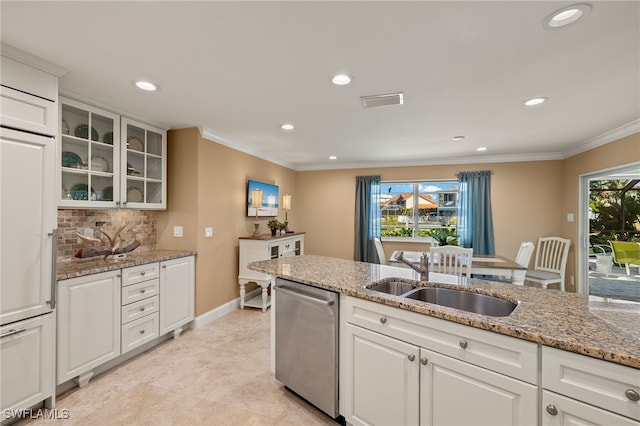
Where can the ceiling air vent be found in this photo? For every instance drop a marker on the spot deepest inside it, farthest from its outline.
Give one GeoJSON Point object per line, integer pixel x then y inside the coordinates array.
{"type": "Point", "coordinates": [382, 100]}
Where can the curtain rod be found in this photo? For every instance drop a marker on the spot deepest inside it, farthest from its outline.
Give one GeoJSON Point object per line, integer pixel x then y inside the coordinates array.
{"type": "Point", "coordinates": [490, 171]}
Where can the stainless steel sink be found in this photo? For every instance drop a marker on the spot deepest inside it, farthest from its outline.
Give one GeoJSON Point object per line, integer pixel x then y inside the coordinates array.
{"type": "Point", "coordinates": [464, 300]}
{"type": "Point", "coordinates": [396, 288]}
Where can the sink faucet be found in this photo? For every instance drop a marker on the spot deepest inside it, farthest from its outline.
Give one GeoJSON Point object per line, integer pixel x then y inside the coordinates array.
{"type": "Point", "coordinates": [423, 268]}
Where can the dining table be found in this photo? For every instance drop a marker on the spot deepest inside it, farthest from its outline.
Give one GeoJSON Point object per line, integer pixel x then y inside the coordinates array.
{"type": "Point", "coordinates": [481, 265]}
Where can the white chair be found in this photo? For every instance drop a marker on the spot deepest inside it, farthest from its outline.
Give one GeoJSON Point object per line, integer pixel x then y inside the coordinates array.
{"type": "Point", "coordinates": [551, 262]}
{"type": "Point", "coordinates": [522, 258]}
{"type": "Point", "coordinates": [451, 260]}
{"type": "Point", "coordinates": [382, 258]}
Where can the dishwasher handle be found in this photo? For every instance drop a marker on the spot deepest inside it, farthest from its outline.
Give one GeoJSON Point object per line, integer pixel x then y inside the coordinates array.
{"type": "Point", "coordinates": [305, 297]}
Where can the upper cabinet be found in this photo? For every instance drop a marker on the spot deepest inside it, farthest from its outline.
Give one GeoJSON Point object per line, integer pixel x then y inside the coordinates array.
{"type": "Point", "coordinates": [109, 161]}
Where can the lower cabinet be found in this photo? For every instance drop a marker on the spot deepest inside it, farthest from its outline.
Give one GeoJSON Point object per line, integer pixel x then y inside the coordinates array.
{"type": "Point", "coordinates": [177, 292]}
{"type": "Point", "coordinates": [140, 305]}
{"type": "Point", "coordinates": [88, 324]}
{"type": "Point", "coordinates": [391, 374]}
{"type": "Point", "coordinates": [26, 363]}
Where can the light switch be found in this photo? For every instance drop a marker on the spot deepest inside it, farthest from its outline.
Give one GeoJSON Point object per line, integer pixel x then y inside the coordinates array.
{"type": "Point", "coordinates": [569, 217]}
{"type": "Point", "coordinates": [177, 231]}
{"type": "Point", "coordinates": [208, 232]}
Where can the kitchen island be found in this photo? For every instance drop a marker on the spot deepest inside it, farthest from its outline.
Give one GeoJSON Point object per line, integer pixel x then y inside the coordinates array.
{"type": "Point", "coordinates": [558, 356]}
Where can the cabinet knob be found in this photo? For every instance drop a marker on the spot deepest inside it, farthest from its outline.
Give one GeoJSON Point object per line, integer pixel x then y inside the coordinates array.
{"type": "Point", "coordinates": [424, 361]}
{"type": "Point", "coordinates": [142, 290]}
{"type": "Point", "coordinates": [142, 273]}
{"type": "Point", "coordinates": [141, 331]}
{"type": "Point", "coordinates": [142, 308]}
{"type": "Point", "coordinates": [632, 395]}
{"type": "Point", "coordinates": [383, 320]}
{"type": "Point", "coordinates": [164, 266]}
{"type": "Point", "coordinates": [411, 357]}
{"type": "Point", "coordinates": [463, 344]}
{"type": "Point", "coordinates": [551, 409]}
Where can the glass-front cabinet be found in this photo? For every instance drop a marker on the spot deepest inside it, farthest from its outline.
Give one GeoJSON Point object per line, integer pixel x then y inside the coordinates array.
{"type": "Point", "coordinates": [89, 156]}
{"type": "Point", "coordinates": [144, 159]}
{"type": "Point", "coordinates": [109, 161]}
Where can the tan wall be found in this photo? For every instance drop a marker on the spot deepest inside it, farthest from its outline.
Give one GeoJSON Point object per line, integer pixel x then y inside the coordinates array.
{"type": "Point", "coordinates": [208, 187]}
{"type": "Point", "coordinates": [526, 203]}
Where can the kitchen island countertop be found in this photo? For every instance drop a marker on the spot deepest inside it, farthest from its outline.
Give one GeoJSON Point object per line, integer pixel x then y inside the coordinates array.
{"type": "Point", "coordinates": [599, 328]}
{"type": "Point", "coordinates": [75, 267]}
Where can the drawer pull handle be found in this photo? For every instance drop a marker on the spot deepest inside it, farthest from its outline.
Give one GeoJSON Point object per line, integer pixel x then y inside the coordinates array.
{"type": "Point", "coordinates": [551, 409]}
{"type": "Point", "coordinates": [383, 320]}
{"type": "Point", "coordinates": [141, 331]}
{"type": "Point", "coordinates": [424, 361]}
{"type": "Point", "coordinates": [13, 332]}
{"type": "Point", "coordinates": [142, 290]}
{"type": "Point", "coordinates": [632, 395]}
{"type": "Point", "coordinates": [463, 344]}
{"type": "Point", "coordinates": [412, 357]}
{"type": "Point", "coordinates": [142, 308]}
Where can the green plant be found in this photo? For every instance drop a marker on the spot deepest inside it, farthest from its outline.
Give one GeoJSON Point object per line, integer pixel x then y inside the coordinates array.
{"type": "Point", "coordinates": [273, 224]}
{"type": "Point", "coordinates": [444, 236]}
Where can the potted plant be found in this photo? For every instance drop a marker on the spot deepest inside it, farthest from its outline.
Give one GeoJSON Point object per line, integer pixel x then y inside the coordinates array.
{"type": "Point", "coordinates": [444, 236]}
{"type": "Point", "coordinates": [274, 226]}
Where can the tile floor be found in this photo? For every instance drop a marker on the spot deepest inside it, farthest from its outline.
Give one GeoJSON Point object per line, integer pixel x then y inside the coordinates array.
{"type": "Point", "coordinates": [215, 375]}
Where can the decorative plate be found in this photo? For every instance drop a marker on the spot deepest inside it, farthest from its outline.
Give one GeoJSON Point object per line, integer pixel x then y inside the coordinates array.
{"type": "Point", "coordinates": [65, 128]}
{"type": "Point", "coordinates": [82, 131]}
{"type": "Point", "coordinates": [99, 164]}
{"type": "Point", "coordinates": [135, 144]}
{"type": "Point", "coordinates": [71, 159]}
{"type": "Point", "coordinates": [134, 195]}
{"type": "Point", "coordinates": [80, 192]}
{"type": "Point", "coordinates": [108, 138]}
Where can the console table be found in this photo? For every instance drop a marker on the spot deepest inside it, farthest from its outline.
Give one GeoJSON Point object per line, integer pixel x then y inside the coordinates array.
{"type": "Point", "coordinates": [253, 249]}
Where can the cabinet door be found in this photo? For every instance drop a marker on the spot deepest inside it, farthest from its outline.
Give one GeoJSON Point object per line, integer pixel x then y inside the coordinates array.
{"type": "Point", "coordinates": [27, 217]}
{"type": "Point", "coordinates": [26, 354]}
{"type": "Point", "coordinates": [143, 165]}
{"type": "Point", "coordinates": [176, 293]}
{"type": "Point", "coordinates": [383, 386]}
{"type": "Point", "coordinates": [453, 392]}
{"type": "Point", "coordinates": [89, 156]}
{"type": "Point", "coordinates": [88, 323]}
{"type": "Point", "coordinates": [558, 410]}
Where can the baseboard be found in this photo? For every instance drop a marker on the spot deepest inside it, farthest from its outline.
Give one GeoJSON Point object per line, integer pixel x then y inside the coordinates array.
{"type": "Point", "coordinates": [220, 311]}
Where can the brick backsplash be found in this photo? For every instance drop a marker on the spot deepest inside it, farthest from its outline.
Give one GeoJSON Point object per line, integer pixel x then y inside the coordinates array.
{"type": "Point", "coordinates": [141, 225]}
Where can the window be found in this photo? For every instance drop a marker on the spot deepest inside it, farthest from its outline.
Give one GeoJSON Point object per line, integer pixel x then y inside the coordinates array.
{"type": "Point", "coordinates": [411, 209]}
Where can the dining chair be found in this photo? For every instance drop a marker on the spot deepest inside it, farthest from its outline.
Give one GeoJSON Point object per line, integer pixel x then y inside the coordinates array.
{"type": "Point", "coordinates": [522, 258]}
{"type": "Point", "coordinates": [551, 262]}
{"type": "Point", "coordinates": [382, 258]}
{"type": "Point", "coordinates": [451, 260]}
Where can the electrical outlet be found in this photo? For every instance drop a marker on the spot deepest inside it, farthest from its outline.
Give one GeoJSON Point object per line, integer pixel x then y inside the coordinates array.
{"type": "Point", "coordinates": [208, 232]}
{"type": "Point", "coordinates": [177, 231]}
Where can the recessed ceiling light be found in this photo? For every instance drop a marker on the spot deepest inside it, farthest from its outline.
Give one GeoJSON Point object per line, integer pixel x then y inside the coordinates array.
{"type": "Point", "coordinates": [481, 148]}
{"type": "Point", "coordinates": [146, 85]}
{"type": "Point", "coordinates": [458, 138]}
{"type": "Point", "coordinates": [534, 101]}
{"type": "Point", "coordinates": [287, 126]}
{"type": "Point", "coordinates": [567, 15]}
{"type": "Point", "coordinates": [333, 157]}
{"type": "Point", "coordinates": [341, 79]}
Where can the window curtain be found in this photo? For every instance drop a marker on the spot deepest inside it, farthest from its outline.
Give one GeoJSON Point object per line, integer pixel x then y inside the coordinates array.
{"type": "Point", "coordinates": [367, 219]}
{"type": "Point", "coordinates": [475, 220]}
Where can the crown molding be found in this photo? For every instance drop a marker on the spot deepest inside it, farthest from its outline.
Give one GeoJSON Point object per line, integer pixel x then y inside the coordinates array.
{"type": "Point", "coordinates": [605, 138]}
{"type": "Point", "coordinates": [28, 59]}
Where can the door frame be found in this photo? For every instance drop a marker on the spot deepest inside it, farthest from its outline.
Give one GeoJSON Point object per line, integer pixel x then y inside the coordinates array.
{"type": "Point", "coordinates": [583, 215]}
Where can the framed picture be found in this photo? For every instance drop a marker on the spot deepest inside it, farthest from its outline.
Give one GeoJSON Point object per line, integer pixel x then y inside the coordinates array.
{"type": "Point", "coordinates": [268, 203]}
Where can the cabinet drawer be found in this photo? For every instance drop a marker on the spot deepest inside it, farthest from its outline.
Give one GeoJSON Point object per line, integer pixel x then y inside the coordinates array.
{"type": "Point", "coordinates": [139, 332]}
{"type": "Point", "coordinates": [135, 292]}
{"type": "Point", "coordinates": [560, 410]}
{"type": "Point", "coordinates": [594, 381]}
{"type": "Point", "coordinates": [504, 354]}
{"type": "Point", "coordinates": [137, 274]}
{"type": "Point", "coordinates": [26, 112]}
{"type": "Point", "coordinates": [139, 309]}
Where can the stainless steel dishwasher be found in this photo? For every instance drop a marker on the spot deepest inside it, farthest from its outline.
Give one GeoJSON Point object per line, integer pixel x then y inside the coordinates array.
{"type": "Point", "coordinates": [307, 342]}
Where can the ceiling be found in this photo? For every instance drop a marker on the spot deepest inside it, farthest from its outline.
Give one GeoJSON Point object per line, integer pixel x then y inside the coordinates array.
{"type": "Point", "coordinates": [238, 70]}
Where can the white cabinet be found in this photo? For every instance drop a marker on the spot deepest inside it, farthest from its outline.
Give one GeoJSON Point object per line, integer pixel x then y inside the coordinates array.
{"type": "Point", "coordinates": [253, 249]}
{"type": "Point", "coordinates": [88, 324]}
{"type": "Point", "coordinates": [177, 282]}
{"type": "Point", "coordinates": [140, 305]}
{"type": "Point", "coordinates": [400, 367]}
{"type": "Point", "coordinates": [109, 161]}
{"type": "Point", "coordinates": [583, 390]}
{"type": "Point", "coordinates": [26, 356]}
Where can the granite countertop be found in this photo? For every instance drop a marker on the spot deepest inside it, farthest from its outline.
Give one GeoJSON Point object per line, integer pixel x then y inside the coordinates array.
{"type": "Point", "coordinates": [572, 322]}
{"type": "Point", "coordinates": [75, 267]}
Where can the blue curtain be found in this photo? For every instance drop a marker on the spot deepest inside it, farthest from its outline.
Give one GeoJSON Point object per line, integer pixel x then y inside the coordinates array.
{"type": "Point", "coordinates": [367, 219]}
{"type": "Point", "coordinates": [475, 221]}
